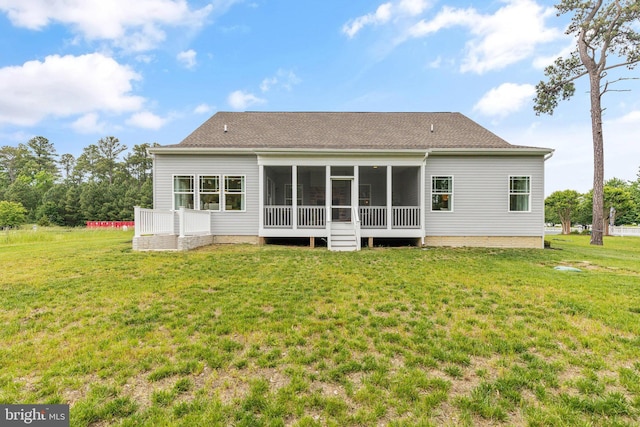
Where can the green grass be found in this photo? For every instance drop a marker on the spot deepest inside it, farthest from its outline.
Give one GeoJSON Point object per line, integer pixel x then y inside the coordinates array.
{"type": "Point", "coordinates": [275, 336]}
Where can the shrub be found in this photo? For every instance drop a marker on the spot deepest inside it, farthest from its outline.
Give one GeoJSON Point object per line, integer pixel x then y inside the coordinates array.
{"type": "Point", "coordinates": [12, 214]}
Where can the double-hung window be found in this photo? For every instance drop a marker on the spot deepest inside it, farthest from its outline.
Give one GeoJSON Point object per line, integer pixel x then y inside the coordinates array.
{"type": "Point", "coordinates": [519, 194]}
{"type": "Point", "coordinates": [234, 193]}
{"type": "Point", "coordinates": [441, 193]}
{"type": "Point", "coordinates": [209, 194]}
{"type": "Point", "coordinates": [183, 191]}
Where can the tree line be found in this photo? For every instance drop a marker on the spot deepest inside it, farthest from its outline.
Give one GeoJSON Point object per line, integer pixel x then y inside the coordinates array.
{"type": "Point", "coordinates": [102, 184]}
{"type": "Point", "coordinates": [621, 206]}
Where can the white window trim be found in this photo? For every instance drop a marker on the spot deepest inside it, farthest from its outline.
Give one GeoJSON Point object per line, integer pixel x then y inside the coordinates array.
{"type": "Point", "coordinates": [451, 193]}
{"type": "Point", "coordinates": [509, 193]}
{"type": "Point", "coordinates": [173, 190]}
{"type": "Point", "coordinates": [223, 193]}
{"type": "Point", "coordinates": [219, 193]}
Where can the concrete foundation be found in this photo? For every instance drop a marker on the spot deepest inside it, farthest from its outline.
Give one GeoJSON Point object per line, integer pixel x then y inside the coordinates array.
{"type": "Point", "coordinates": [528, 242]}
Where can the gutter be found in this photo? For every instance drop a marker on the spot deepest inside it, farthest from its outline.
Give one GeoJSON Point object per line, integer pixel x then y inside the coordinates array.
{"type": "Point", "coordinates": [516, 151]}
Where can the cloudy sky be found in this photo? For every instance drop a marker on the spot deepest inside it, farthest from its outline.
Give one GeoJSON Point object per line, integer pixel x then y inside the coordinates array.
{"type": "Point", "coordinates": [75, 71]}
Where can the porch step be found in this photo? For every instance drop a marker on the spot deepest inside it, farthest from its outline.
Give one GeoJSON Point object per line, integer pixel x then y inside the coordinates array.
{"type": "Point", "coordinates": [343, 237]}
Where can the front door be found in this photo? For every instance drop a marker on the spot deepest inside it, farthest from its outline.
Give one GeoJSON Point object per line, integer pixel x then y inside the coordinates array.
{"type": "Point", "coordinates": [341, 196]}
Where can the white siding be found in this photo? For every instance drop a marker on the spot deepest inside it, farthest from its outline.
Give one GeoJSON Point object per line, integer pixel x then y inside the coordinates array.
{"type": "Point", "coordinates": [481, 196]}
{"type": "Point", "coordinates": [224, 223]}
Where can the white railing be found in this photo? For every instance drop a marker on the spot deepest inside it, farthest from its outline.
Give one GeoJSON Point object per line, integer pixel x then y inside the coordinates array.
{"type": "Point", "coordinates": [311, 216]}
{"type": "Point", "coordinates": [194, 222]}
{"type": "Point", "coordinates": [624, 231]}
{"type": "Point", "coordinates": [373, 216]}
{"type": "Point", "coordinates": [277, 216]}
{"type": "Point", "coordinates": [356, 224]}
{"type": "Point", "coordinates": [151, 221]}
{"type": "Point", "coordinates": [406, 216]}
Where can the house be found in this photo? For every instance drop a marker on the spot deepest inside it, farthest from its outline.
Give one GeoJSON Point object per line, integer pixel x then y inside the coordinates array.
{"type": "Point", "coordinates": [349, 178]}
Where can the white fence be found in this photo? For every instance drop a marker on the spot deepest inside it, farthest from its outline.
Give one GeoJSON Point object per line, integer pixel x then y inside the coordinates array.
{"type": "Point", "coordinates": [152, 221]}
{"type": "Point", "coordinates": [158, 222]}
{"type": "Point", "coordinates": [621, 231]}
{"type": "Point", "coordinates": [624, 231]}
{"type": "Point", "coordinates": [193, 222]}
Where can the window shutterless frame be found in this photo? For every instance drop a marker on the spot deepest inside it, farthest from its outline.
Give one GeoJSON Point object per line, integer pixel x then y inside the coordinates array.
{"type": "Point", "coordinates": [209, 192]}
{"type": "Point", "coordinates": [234, 193]}
{"type": "Point", "coordinates": [519, 193]}
{"type": "Point", "coordinates": [441, 193]}
{"type": "Point", "coordinates": [183, 191]}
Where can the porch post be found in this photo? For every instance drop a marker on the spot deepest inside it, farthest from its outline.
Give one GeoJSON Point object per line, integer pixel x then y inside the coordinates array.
{"type": "Point", "coordinates": [181, 221]}
{"type": "Point", "coordinates": [423, 199]}
{"type": "Point", "coordinates": [355, 191]}
{"type": "Point", "coordinates": [327, 200]}
{"type": "Point", "coordinates": [137, 222]}
{"type": "Point", "coordinates": [389, 200]}
{"type": "Point", "coordinates": [294, 196]}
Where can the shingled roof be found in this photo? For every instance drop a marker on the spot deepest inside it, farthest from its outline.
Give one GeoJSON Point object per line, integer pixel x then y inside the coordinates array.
{"type": "Point", "coordinates": [342, 131]}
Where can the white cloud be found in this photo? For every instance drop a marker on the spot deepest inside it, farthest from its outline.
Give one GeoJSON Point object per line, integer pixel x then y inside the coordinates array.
{"type": "Point", "coordinates": [505, 99]}
{"type": "Point", "coordinates": [203, 109]}
{"type": "Point", "coordinates": [380, 16]}
{"type": "Point", "coordinates": [187, 58]}
{"type": "Point", "coordinates": [132, 25]}
{"type": "Point", "coordinates": [413, 7]}
{"type": "Point", "coordinates": [284, 79]}
{"type": "Point", "coordinates": [541, 62]}
{"type": "Point", "coordinates": [240, 100]}
{"type": "Point", "coordinates": [268, 83]}
{"type": "Point", "coordinates": [146, 120]}
{"type": "Point", "coordinates": [509, 35]}
{"type": "Point", "coordinates": [385, 13]}
{"type": "Point", "coordinates": [632, 117]}
{"type": "Point", "coordinates": [88, 123]}
{"type": "Point", "coordinates": [63, 86]}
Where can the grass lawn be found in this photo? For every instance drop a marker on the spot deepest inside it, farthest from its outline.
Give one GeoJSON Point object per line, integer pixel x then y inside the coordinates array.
{"type": "Point", "coordinates": [279, 336]}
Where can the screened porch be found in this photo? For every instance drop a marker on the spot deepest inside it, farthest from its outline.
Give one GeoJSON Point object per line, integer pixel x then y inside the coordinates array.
{"type": "Point", "coordinates": [304, 197]}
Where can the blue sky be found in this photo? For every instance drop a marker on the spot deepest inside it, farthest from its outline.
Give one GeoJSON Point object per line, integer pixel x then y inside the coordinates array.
{"type": "Point", "coordinates": [75, 71]}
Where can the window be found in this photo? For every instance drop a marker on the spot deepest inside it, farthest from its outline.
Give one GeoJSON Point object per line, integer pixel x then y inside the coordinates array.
{"type": "Point", "coordinates": [234, 193]}
{"type": "Point", "coordinates": [183, 194]}
{"type": "Point", "coordinates": [519, 193]}
{"type": "Point", "coordinates": [441, 193]}
{"type": "Point", "coordinates": [209, 192]}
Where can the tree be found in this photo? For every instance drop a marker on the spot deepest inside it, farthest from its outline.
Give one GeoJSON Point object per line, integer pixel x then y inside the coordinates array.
{"type": "Point", "coordinates": [564, 204]}
{"type": "Point", "coordinates": [634, 189]}
{"type": "Point", "coordinates": [12, 160]}
{"type": "Point", "coordinates": [44, 153]}
{"type": "Point", "coordinates": [617, 202]}
{"type": "Point", "coordinates": [109, 149]}
{"type": "Point", "coordinates": [604, 29]}
{"type": "Point", "coordinates": [68, 163]}
{"type": "Point", "coordinates": [12, 214]}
